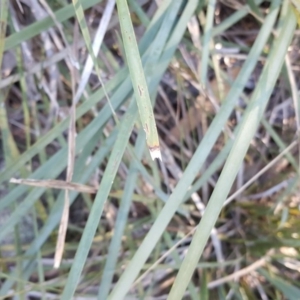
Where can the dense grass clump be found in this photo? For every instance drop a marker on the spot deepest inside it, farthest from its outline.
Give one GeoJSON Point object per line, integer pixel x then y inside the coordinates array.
{"type": "Point", "coordinates": [149, 149]}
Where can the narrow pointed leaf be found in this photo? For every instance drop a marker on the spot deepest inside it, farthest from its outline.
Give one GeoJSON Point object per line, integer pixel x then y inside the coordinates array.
{"type": "Point", "coordinates": [138, 79]}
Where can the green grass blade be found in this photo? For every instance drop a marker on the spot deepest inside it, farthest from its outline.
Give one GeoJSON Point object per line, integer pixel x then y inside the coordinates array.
{"type": "Point", "coordinates": [249, 125]}
{"type": "Point", "coordinates": [290, 291]}
{"type": "Point", "coordinates": [3, 24]}
{"type": "Point", "coordinates": [114, 247]}
{"type": "Point", "coordinates": [10, 149]}
{"type": "Point", "coordinates": [169, 242]}
{"type": "Point", "coordinates": [143, 252]}
{"type": "Point", "coordinates": [137, 252]}
{"type": "Point", "coordinates": [81, 174]}
{"type": "Point", "coordinates": [34, 29]}
{"type": "Point", "coordinates": [200, 155]}
{"type": "Point", "coordinates": [152, 58]}
{"type": "Point", "coordinates": [82, 139]}
{"type": "Point", "coordinates": [234, 18]}
{"type": "Point", "coordinates": [139, 83]}
{"type": "Point", "coordinates": [106, 183]}
{"type": "Point", "coordinates": [119, 96]}
{"type": "Point", "coordinates": [207, 41]}
{"type": "Point", "coordinates": [204, 293]}
{"type": "Point", "coordinates": [136, 7]}
{"type": "Point", "coordinates": [122, 92]}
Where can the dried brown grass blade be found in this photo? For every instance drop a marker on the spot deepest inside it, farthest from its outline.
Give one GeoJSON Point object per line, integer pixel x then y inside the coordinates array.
{"type": "Point", "coordinates": [65, 215]}
{"type": "Point", "coordinates": [70, 169]}
{"type": "Point", "coordinates": [56, 184]}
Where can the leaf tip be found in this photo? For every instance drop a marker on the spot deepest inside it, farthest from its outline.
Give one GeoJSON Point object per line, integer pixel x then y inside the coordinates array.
{"type": "Point", "coordinates": [155, 153]}
{"type": "Point", "coordinates": [56, 264]}
{"type": "Point", "coordinates": [14, 180]}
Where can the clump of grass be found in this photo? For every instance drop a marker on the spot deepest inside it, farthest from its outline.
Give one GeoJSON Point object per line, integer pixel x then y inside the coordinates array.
{"type": "Point", "coordinates": [217, 217]}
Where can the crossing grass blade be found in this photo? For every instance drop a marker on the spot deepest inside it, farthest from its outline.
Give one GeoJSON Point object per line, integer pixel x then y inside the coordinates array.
{"type": "Point", "coordinates": [82, 174]}
{"type": "Point", "coordinates": [249, 125]}
{"type": "Point", "coordinates": [152, 58]}
{"type": "Point", "coordinates": [117, 265]}
{"type": "Point", "coordinates": [120, 94]}
{"type": "Point", "coordinates": [118, 79]}
{"type": "Point", "coordinates": [90, 62]}
{"type": "Point", "coordinates": [85, 32]}
{"type": "Point", "coordinates": [37, 27]}
{"type": "Point", "coordinates": [125, 129]}
{"type": "Point", "coordinates": [59, 160]}
{"type": "Point", "coordinates": [141, 255]}
{"type": "Point", "coordinates": [138, 79]}
{"type": "Point", "coordinates": [289, 290]}
{"type": "Point", "coordinates": [197, 160]}
{"type": "Point", "coordinates": [114, 247]}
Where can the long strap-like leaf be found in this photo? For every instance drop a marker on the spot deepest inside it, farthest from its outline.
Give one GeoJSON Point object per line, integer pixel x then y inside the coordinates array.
{"type": "Point", "coordinates": [138, 79]}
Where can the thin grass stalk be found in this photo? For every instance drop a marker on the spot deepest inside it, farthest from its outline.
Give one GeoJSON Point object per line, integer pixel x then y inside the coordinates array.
{"type": "Point", "coordinates": [95, 49]}
{"type": "Point", "coordinates": [18, 254]}
{"type": "Point", "coordinates": [86, 36]}
{"type": "Point", "coordinates": [40, 268]}
{"type": "Point", "coordinates": [209, 22]}
{"type": "Point", "coordinates": [62, 231]}
{"type": "Point", "coordinates": [3, 24]}
{"type": "Point", "coordinates": [10, 149]}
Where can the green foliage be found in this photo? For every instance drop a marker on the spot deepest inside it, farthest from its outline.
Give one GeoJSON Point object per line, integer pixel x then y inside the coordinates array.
{"type": "Point", "coordinates": [218, 217]}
